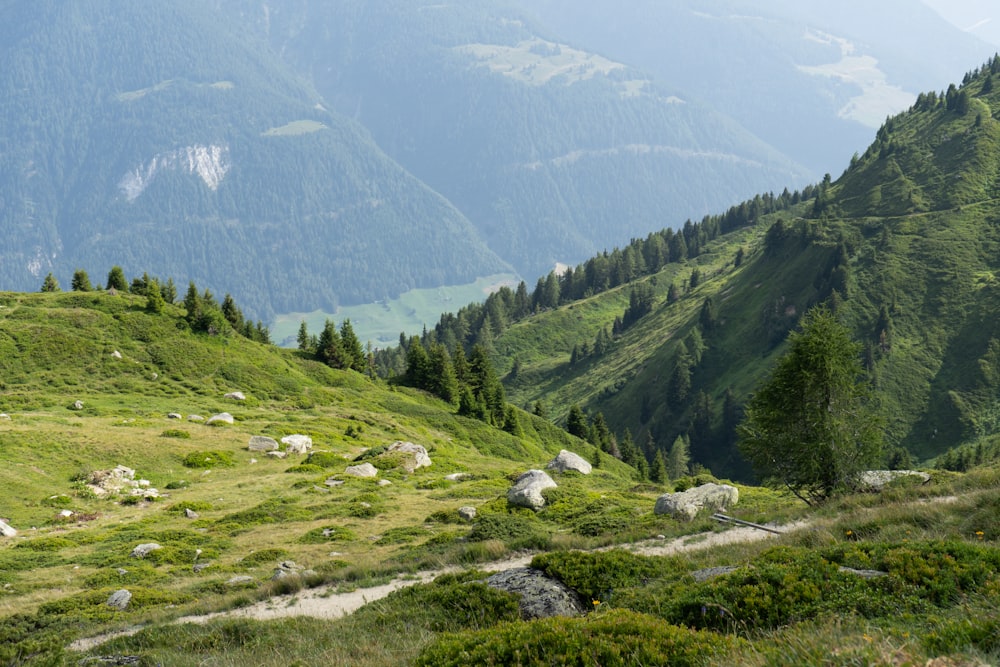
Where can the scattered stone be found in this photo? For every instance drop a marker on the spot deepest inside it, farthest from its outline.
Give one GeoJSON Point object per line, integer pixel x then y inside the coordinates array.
{"type": "Point", "coordinates": [541, 597]}
{"type": "Point", "coordinates": [297, 444]}
{"type": "Point", "coordinates": [119, 599]}
{"type": "Point", "coordinates": [567, 460]}
{"type": "Point", "coordinates": [198, 567]}
{"type": "Point", "coordinates": [119, 480]}
{"type": "Point", "coordinates": [876, 480]}
{"type": "Point", "coordinates": [190, 513]}
{"type": "Point", "coordinates": [154, 376]}
{"type": "Point", "coordinates": [262, 443]}
{"type": "Point", "coordinates": [144, 550]}
{"type": "Point", "coordinates": [457, 476]}
{"type": "Point", "coordinates": [330, 481]}
{"type": "Point", "coordinates": [363, 470]}
{"type": "Point", "coordinates": [195, 418]}
{"type": "Point", "coordinates": [116, 354]}
{"type": "Point", "coordinates": [240, 580]}
{"type": "Point", "coordinates": [7, 530]}
{"type": "Point", "coordinates": [4, 417]}
{"type": "Point", "coordinates": [712, 572]}
{"type": "Point", "coordinates": [221, 418]}
{"type": "Point", "coordinates": [66, 514]}
{"type": "Point", "coordinates": [276, 455]}
{"type": "Point", "coordinates": [121, 571]}
{"type": "Point", "coordinates": [78, 405]}
{"type": "Point", "coordinates": [415, 455]}
{"type": "Point", "coordinates": [174, 415]}
{"type": "Point", "coordinates": [235, 396]}
{"type": "Point", "coordinates": [384, 482]}
{"type": "Point", "coordinates": [527, 490]}
{"type": "Point", "coordinates": [864, 574]}
{"type": "Point", "coordinates": [252, 461]}
{"type": "Point", "coordinates": [686, 504]}
{"type": "Point", "coordinates": [467, 512]}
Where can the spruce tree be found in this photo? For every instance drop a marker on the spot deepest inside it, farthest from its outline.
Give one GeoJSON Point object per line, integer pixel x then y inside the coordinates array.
{"type": "Point", "coordinates": [678, 458]}
{"type": "Point", "coordinates": [50, 284]}
{"type": "Point", "coordinates": [81, 281]}
{"type": "Point", "coordinates": [116, 279]}
{"type": "Point", "coordinates": [303, 337]}
{"type": "Point", "coordinates": [658, 469]}
{"type": "Point", "coordinates": [576, 423]}
{"type": "Point", "coordinates": [352, 346]}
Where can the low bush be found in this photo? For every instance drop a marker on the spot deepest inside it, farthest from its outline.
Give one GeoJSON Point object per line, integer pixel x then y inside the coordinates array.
{"type": "Point", "coordinates": [505, 527]}
{"type": "Point", "coordinates": [209, 459]}
{"type": "Point", "coordinates": [328, 534]}
{"type": "Point", "coordinates": [176, 433]}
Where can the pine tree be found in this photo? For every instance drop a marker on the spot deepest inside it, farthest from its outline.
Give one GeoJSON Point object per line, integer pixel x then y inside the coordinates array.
{"type": "Point", "coordinates": [50, 284]}
{"type": "Point", "coordinates": [192, 302]}
{"type": "Point", "coordinates": [169, 291]}
{"type": "Point", "coordinates": [303, 337]}
{"type": "Point", "coordinates": [658, 469]}
{"type": "Point", "coordinates": [81, 281]}
{"type": "Point", "coordinates": [116, 279]}
{"type": "Point", "coordinates": [441, 374]}
{"type": "Point", "coordinates": [678, 458]}
{"type": "Point", "coordinates": [232, 314]}
{"type": "Point", "coordinates": [154, 301]}
{"type": "Point", "coordinates": [355, 355]}
{"type": "Point", "coordinates": [576, 423]}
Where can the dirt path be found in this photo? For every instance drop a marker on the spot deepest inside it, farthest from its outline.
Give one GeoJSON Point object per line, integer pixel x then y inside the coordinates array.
{"type": "Point", "coordinates": [322, 603]}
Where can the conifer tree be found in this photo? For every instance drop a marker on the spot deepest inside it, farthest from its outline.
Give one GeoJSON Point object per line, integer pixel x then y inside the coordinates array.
{"type": "Point", "coordinates": [50, 284]}
{"type": "Point", "coordinates": [81, 281]}
{"type": "Point", "coordinates": [576, 423]}
{"type": "Point", "coordinates": [303, 337]}
{"type": "Point", "coordinates": [678, 458]}
{"type": "Point", "coordinates": [355, 355]}
{"type": "Point", "coordinates": [116, 279]}
{"type": "Point", "coordinates": [658, 468]}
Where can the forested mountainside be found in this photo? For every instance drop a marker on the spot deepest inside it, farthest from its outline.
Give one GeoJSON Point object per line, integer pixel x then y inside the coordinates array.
{"type": "Point", "coordinates": [811, 78]}
{"type": "Point", "coordinates": [165, 139]}
{"type": "Point", "coordinates": [669, 336]}
{"type": "Point", "coordinates": [552, 151]}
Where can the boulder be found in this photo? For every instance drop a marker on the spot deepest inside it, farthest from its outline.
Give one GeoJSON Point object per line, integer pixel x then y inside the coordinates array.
{"type": "Point", "coordinates": [415, 456]}
{"type": "Point", "coordinates": [119, 600]}
{"type": "Point", "coordinates": [876, 480]}
{"type": "Point", "coordinates": [273, 455]}
{"type": "Point", "coordinates": [195, 418]}
{"type": "Point", "coordinates": [333, 481]}
{"type": "Point", "coordinates": [686, 504]}
{"type": "Point", "coordinates": [190, 513]}
{"type": "Point", "coordinates": [467, 512]}
{"type": "Point", "coordinates": [173, 415]}
{"type": "Point", "coordinates": [527, 490]}
{"type": "Point", "coordinates": [4, 417]}
{"type": "Point", "coordinates": [567, 460]}
{"type": "Point", "coordinates": [198, 567]}
{"type": "Point", "coordinates": [221, 418]}
{"type": "Point", "coordinates": [457, 476]}
{"type": "Point", "coordinates": [116, 354]}
{"type": "Point", "coordinates": [240, 580]}
{"type": "Point", "coordinates": [144, 550]}
{"type": "Point", "coordinates": [66, 514]}
{"type": "Point", "coordinates": [362, 470]}
{"type": "Point", "coordinates": [540, 596]}
{"type": "Point", "coordinates": [7, 530]}
{"type": "Point", "coordinates": [863, 574]}
{"type": "Point", "coordinates": [262, 443]}
{"type": "Point", "coordinates": [384, 482]}
{"type": "Point", "coordinates": [712, 572]}
{"type": "Point", "coordinates": [297, 444]}
{"type": "Point", "coordinates": [78, 405]}
{"type": "Point", "coordinates": [235, 396]}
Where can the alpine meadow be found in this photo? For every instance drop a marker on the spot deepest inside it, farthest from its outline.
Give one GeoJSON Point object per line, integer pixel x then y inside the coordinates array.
{"type": "Point", "coordinates": [714, 407]}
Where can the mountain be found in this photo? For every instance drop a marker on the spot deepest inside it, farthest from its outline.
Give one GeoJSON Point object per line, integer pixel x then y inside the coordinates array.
{"type": "Point", "coordinates": [164, 139]}
{"type": "Point", "coordinates": [552, 151]}
{"type": "Point", "coordinates": [669, 335]}
{"type": "Point", "coordinates": [812, 79]}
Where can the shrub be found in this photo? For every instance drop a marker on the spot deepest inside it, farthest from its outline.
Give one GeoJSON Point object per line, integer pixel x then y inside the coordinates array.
{"type": "Point", "coordinates": [264, 556]}
{"type": "Point", "coordinates": [176, 433]}
{"type": "Point", "coordinates": [309, 468]}
{"type": "Point", "coordinates": [597, 575]}
{"type": "Point", "coordinates": [328, 534]}
{"type": "Point", "coordinates": [504, 527]}
{"type": "Point", "coordinates": [618, 637]}
{"type": "Point", "coordinates": [209, 459]}
{"type": "Point", "coordinates": [325, 460]}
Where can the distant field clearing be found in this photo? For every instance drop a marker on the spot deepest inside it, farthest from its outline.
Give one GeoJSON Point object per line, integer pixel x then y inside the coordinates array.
{"type": "Point", "coordinates": [294, 128]}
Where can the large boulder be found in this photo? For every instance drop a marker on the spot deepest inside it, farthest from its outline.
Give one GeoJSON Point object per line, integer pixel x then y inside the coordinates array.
{"type": "Point", "coordinates": [221, 418]}
{"type": "Point", "coordinates": [119, 600]}
{"type": "Point", "coordinates": [527, 489]}
{"type": "Point", "coordinates": [143, 550]}
{"type": "Point", "coordinates": [262, 443]}
{"type": "Point", "coordinates": [297, 444]}
{"type": "Point", "coordinates": [7, 530]}
{"type": "Point", "coordinates": [362, 470]}
{"type": "Point", "coordinates": [235, 396]}
{"type": "Point", "coordinates": [540, 596]}
{"type": "Point", "coordinates": [413, 456]}
{"type": "Point", "coordinates": [876, 480]}
{"type": "Point", "coordinates": [686, 504]}
{"type": "Point", "coordinates": [567, 460]}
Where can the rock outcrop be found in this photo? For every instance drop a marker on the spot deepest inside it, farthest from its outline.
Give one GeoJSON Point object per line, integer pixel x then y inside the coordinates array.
{"type": "Point", "coordinates": [119, 600]}
{"type": "Point", "coordinates": [527, 490]}
{"type": "Point", "coordinates": [412, 456]}
{"type": "Point", "coordinates": [235, 396]}
{"type": "Point", "coordinates": [221, 418]}
{"type": "Point", "coordinates": [7, 530]}
{"type": "Point", "coordinates": [297, 444]}
{"type": "Point", "coordinates": [876, 480]}
{"type": "Point", "coordinates": [567, 460]}
{"type": "Point", "coordinates": [686, 504]}
{"type": "Point", "coordinates": [262, 443]}
{"type": "Point", "coordinates": [362, 470]}
{"type": "Point", "coordinates": [540, 596]}
{"type": "Point", "coordinates": [467, 512]}
{"type": "Point", "coordinates": [143, 550]}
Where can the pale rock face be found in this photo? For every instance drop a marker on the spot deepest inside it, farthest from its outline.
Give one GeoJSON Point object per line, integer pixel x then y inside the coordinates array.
{"type": "Point", "coordinates": [119, 600]}
{"type": "Point", "coordinates": [417, 456]}
{"type": "Point", "coordinates": [297, 444]}
{"type": "Point", "coordinates": [7, 530]}
{"type": "Point", "coordinates": [221, 418]}
{"type": "Point", "coordinates": [210, 163]}
{"type": "Point", "coordinates": [567, 460]}
{"type": "Point", "coordinates": [363, 470]}
{"type": "Point", "coordinates": [143, 550]}
{"type": "Point", "coordinates": [236, 396]}
{"type": "Point", "coordinates": [262, 443]}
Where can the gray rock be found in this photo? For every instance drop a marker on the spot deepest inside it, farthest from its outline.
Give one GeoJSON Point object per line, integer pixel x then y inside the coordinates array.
{"type": "Point", "coordinates": [457, 476]}
{"type": "Point", "coordinates": [297, 444]}
{"type": "Point", "coordinates": [66, 514]}
{"type": "Point", "coordinates": [198, 567]}
{"type": "Point", "coordinates": [235, 396]}
{"type": "Point", "coordinates": [174, 415]}
{"type": "Point", "coordinates": [527, 490]}
{"type": "Point", "coordinates": [7, 530]}
{"type": "Point", "coordinates": [686, 504]}
{"type": "Point", "coordinates": [4, 417]}
{"type": "Point", "coordinates": [876, 480]}
{"type": "Point", "coordinates": [119, 599]}
{"type": "Point", "coordinates": [240, 580]}
{"type": "Point", "coordinates": [567, 460]}
{"type": "Point", "coordinates": [221, 418]}
{"type": "Point", "coordinates": [384, 482]}
{"type": "Point", "coordinates": [78, 405]}
{"type": "Point", "coordinates": [415, 456]}
{"type": "Point", "coordinates": [864, 574]}
{"type": "Point", "coordinates": [363, 470]}
{"type": "Point", "coordinates": [190, 513]}
{"type": "Point", "coordinates": [262, 443]}
{"type": "Point", "coordinates": [276, 455]}
{"type": "Point", "coordinates": [541, 597]}
{"type": "Point", "coordinates": [116, 354]}
{"type": "Point", "coordinates": [144, 550]}
{"type": "Point", "coordinates": [195, 418]}
{"type": "Point", "coordinates": [467, 512]}
{"type": "Point", "coordinates": [331, 481]}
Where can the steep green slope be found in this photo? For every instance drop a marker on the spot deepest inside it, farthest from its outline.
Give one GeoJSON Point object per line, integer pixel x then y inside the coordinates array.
{"type": "Point", "coordinates": [904, 246]}
{"type": "Point", "coordinates": [164, 138]}
{"type": "Point", "coordinates": [552, 151]}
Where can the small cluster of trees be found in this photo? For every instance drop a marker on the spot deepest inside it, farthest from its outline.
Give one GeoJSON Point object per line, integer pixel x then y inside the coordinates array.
{"type": "Point", "coordinates": [203, 312]}
{"type": "Point", "coordinates": [337, 349]}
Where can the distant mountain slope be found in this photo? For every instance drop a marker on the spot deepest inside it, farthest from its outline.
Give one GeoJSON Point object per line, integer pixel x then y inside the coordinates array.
{"type": "Point", "coordinates": [812, 78]}
{"type": "Point", "coordinates": [161, 138]}
{"type": "Point", "coordinates": [906, 248]}
{"type": "Point", "coordinates": [552, 151]}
